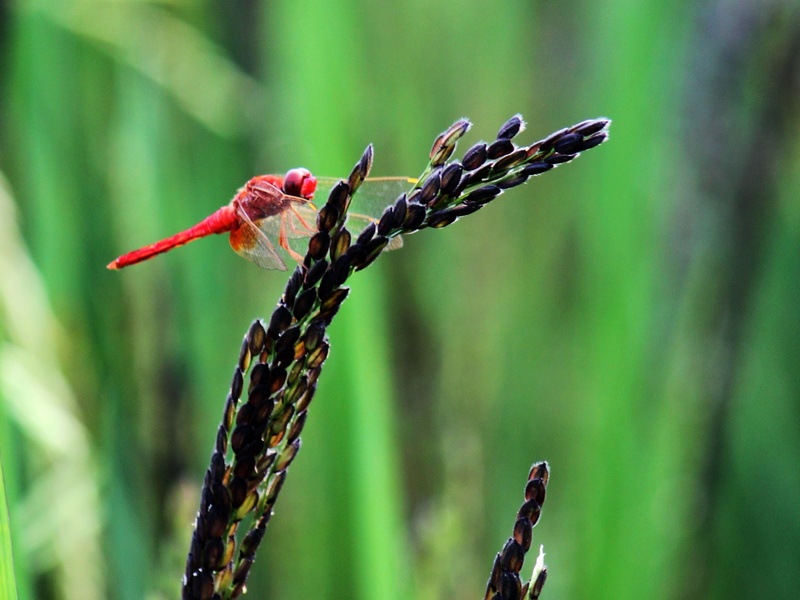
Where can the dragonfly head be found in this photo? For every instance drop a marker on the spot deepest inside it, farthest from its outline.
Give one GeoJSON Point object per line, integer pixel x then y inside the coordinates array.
{"type": "Point", "coordinates": [300, 182]}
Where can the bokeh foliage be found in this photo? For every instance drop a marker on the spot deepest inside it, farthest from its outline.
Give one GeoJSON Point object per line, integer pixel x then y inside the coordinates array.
{"type": "Point", "coordinates": [632, 317]}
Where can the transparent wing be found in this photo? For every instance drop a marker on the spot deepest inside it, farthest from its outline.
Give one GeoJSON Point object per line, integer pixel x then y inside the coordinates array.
{"type": "Point", "coordinates": [356, 223]}
{"type": "Point", "coordinates": [395, 243]}
{"type": "Point", "coordinates": [369, 202]}
{"type": "Point", "coordinates": [291, 228]}
{"type": "Point", "coordinates": [301, 218]}
{"type": "Point", "coordinates": [270, 209]}
{"type": "Point", "coordinates": [280, 217]}
{"type": "Point", "coordinates": [251, 242]}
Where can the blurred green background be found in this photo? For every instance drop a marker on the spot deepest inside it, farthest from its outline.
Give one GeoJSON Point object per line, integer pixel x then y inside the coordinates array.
{"type": "Point", "coordinates": [633, 317]}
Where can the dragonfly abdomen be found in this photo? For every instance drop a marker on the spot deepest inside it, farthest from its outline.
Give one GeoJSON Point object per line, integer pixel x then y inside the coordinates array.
{"type": "Point", "coordinates": [220, 221]}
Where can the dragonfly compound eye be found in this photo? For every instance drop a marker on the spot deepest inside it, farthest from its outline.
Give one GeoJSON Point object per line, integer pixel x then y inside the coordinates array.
{"type": "Point", "coordinates": [300, 182]}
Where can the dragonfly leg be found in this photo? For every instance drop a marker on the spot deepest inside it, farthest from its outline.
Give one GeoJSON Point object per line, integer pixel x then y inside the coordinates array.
{"type": "Point", "coordinates": [307, 230]}
{"type": "Point", "coordinates": [283, 240]}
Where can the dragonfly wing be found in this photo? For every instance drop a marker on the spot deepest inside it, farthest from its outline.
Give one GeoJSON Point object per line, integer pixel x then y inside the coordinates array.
{"type": "Point", "coordinates": [374, 195]}
{"type": "Point", "coordinates": [251, 243]}
{"type": "Point", "coordinates": [291, 228]}
{"type": "Point", "coordinates": [357, 222]}
{"type": "Point", "coordinates": [275, 212]}
{"type": "Point", "coordinates": [395, 243]}
{"type": "Point", "coordinates": [301, 219]}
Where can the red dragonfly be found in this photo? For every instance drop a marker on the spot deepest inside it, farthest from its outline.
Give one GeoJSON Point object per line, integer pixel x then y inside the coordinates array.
{"type": "Point", "coordinates": [275, 207]}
